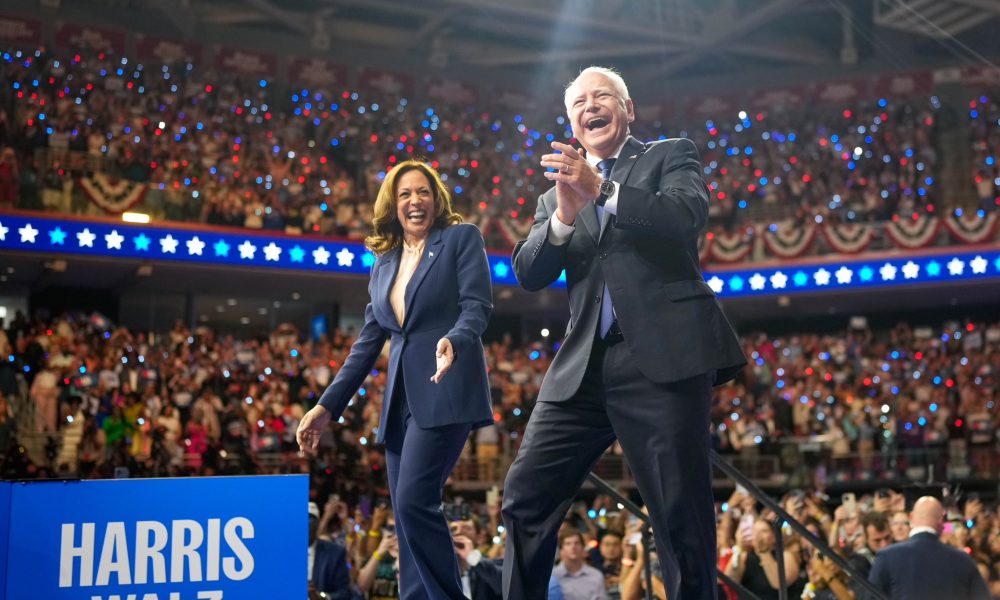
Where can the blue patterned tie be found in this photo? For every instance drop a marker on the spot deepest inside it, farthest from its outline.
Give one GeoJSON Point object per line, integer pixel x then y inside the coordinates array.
{"type": "Point", "coordinates": [607, 310]}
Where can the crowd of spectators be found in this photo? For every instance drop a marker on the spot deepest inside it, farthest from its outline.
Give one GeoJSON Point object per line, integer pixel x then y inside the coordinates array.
{"type": "Point", "coordinates": [223, 150]}
{"type": "Point", "coordinates": [192, 402]}
{"type": "Point", "coordinates": [984, 115]}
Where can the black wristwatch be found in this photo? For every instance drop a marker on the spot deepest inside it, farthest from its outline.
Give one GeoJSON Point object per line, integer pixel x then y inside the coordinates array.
{"type": "Point", "coordinates": [607, 189]}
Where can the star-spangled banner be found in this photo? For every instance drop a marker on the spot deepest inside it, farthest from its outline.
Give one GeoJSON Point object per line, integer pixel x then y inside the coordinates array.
{"type": "Point", "coordinates": [252, 249]}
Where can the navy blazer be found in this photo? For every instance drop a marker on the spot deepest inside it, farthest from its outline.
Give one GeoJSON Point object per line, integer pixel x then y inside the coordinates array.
{"type": "Point", "coordinates": [330, 570]}
{"type": "Point", "coordinates": [450, 296]}
{"type": "Point", "coordinates": [924, 568]}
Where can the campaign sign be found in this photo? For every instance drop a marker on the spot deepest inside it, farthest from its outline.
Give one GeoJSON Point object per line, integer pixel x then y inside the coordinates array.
{"type": "Point", "coordinates": [210, 538]}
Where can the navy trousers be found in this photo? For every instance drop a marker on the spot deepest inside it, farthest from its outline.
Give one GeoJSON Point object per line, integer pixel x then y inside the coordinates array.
{"type": "Point", "coordinates": [419, 462]}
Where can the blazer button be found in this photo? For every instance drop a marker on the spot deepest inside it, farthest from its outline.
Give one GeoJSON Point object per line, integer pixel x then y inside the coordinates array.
{"type": "Point", "coordinates": [597, 299]}
{"type": "Point", "coordinates": [603, 255]}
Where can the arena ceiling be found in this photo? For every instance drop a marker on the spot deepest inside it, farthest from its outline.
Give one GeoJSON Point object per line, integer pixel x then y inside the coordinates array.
{"type": "Point", "coordinates": [653, 41]}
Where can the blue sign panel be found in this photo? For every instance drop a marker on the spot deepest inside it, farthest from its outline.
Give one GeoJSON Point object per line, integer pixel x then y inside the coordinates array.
{"type": "Point", "coordinates": [211, 538]}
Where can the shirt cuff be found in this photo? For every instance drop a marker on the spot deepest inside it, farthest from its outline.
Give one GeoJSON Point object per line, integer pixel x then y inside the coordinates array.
{"type": "Point", "coordinates": [611, 204]}
{"type": "Point", "coordinates": [474, 557]}
{"type": "Point", "coordinates": [559, 232]}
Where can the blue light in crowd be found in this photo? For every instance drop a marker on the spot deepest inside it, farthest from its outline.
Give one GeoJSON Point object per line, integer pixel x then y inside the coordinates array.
{"type": "Point", "coordinates": [294, 353]}
{"type": "Point", "coordinates": [534, 355]}
{"type": "Point", "coordinates": [933, 406]}
{"type": "Point", "coordinates": [895, 355]}
{"type": "Point", "coordinates": [83, 370]}
{"type": "Point", "coordinates": [362, 392]}
{"type": "Point", "coordinates": [908, 426]}
{"type": "Point", "coordinates": [937, 380]}
{"type": "Point", "coordinates": [517, 412]}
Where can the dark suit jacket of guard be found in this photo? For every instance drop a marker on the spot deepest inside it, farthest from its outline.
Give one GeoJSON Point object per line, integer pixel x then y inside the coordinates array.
{"type": "Point", "coordinates": [448, 296]}
{"type": "Point", "coordinates": [648, 256]}
{"type": "Point", "coordinates": [330, 570]}
{"type": "Point", "coordinates": [924, 568]}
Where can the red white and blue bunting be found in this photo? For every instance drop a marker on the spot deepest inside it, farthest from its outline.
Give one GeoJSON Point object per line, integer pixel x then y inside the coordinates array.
{"type": "Point", "coordinates": [732, 247]}
{"type": "Point", "coordinates": [913, 233]}
{"type": "Point", "coordinates": [789, 240]}
{"type": "Point", "coordinates": [848, 238]}
{"type": "Point", "coordinates": [970, 228]}
{"type": "Point", "coordinates": [113, 197]}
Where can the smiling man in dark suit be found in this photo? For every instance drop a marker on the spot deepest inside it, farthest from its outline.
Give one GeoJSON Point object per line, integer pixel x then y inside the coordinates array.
{"type": "Point", "coordinates": [923, 567]}
{"type": "Point", "coordinates": [646, 342]}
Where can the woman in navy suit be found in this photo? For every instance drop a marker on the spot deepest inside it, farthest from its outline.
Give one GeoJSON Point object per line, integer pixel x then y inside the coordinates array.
{"type": "Point", "coordinates": [430, 294]}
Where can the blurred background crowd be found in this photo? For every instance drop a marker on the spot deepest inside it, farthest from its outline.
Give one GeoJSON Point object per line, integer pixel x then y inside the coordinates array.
{"type": "Point", "coordinates": [845, 422]}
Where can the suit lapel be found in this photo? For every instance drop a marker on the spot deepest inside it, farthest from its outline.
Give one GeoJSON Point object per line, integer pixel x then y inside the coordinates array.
{"type": "Point", "coordinates": [629, 155]}
{"type": "Point", "coordinates": [386, 276]}
{"type": "Point", "coordinates": [432, 250]}
{"type": "Point", "coordinates": [588, 216]}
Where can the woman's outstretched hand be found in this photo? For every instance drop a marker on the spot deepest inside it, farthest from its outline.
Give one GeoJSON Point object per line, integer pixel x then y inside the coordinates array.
{"type": "Point", "coordinates": [312, 426]}
{"type": "Point", "coordinates": [445, 355]}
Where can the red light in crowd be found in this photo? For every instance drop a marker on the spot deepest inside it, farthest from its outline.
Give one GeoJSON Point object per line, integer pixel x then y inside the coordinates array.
{"type": "Point", "coordinates": [474, 164]}
{"type": "Point", "coordinates": [828, 377]}
{"type": "Point", "coordinates": [949, 383]}
{"type": "Point", "coordinates": [806, 178]}
{"type": "Point", "coordinates": [76, 58]}
{"type": "Point", "coordinates": [847, 114]}
{"type": "Point", "coordinates": [346, 95]}
{"type": "Point", "coordinates": [713, 131]}
{"type": "Point", "coordinates": [482, 206]}
{"type": "Point", "coordinates": [374, 138]}
{"type": "Point", "coordinates": [757, 172]}
{"type": "Point", "coordinates": [322, 160]}
{"type": "Point", "coordinates": [435, 164]}
{"type": "Point", "coordinates": [332, 363]}
{"type": "Point", "coordinates": [721, 195]}
{"type": "Point", "coordinates": [158, 132]}
{"type": "Point", "coordinates": [496, 417]}
{"type": "Point", "coordinates": [823, 142]}
{"type": "Point", "coordinates": [930, 208]}
{"type": "Point", "coordinates": [239, 110]}
{"type": "Point", "coordinates": [868, 381]}
{"type": "Point", "coordinates": [495, 192]}
{"type": "Point", "coordinates": [970, 327]}
{"type": "Point", "coordinates": [392, 159]}
{"type": "Point", "coordinates": [895, 218]}
{"type": "Point", "coordinates": [903, 161]}
{"type": "Point", "coordinates": [306, 112]}
{"type": "Point", "coordinates": [760, 116]}
{"type": "Point", "coordinates": [751, 188]}
{"type": "Point", "coordinates": [710, 235]}
{"type": "Point", "coordinates": [520, 201]}
{"type": "Point", "coordinates": [52, 80]}
{"type": "Point", "coordinates": [402, 138]}
{"type": "Point", "coordinates": [915, 216]}
{"type": "Point", "coordinates": [409, 149]}
{"type": "Point", "coordinates": [496, 179]}
{"type": "Point", "coordinates": [315, 227]}
{"type": "Point", "coordinates": [746, 162]}
{"type": "Point", "coordinates": [236, 159]}
{"type": "Point", "coordinates": [305, 160]}
{"type": "Point", "coordinates": [724, 171]}
{"type": "Point", "coordinates": [809, 370]}
{"type": "Point", "coordinates": [513, 214]}
{"type": "Point", "coordinates": [267, 116]}
{"type": "Point", "coordinates": [302, 179]}
{"type": "Point", "coordinates": [208, 89]}
{"type": "Point", "coordinates": [48, 332]}
{"type": "Point", "coordinates": [65, 380]}
{"type": "Point", "coordinates": [959, 422]}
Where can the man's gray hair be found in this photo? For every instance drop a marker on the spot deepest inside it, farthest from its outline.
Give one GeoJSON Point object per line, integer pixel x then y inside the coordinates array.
{"type": "Point", "coordinates": [613, 76]}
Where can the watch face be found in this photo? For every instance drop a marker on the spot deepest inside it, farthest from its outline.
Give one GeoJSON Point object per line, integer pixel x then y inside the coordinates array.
{"type": "Point", "coordinates": [607, 188]}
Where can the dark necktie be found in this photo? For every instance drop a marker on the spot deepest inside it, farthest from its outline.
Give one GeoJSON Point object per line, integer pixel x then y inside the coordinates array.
{"type": "Point", "coordinates": [607, 310]}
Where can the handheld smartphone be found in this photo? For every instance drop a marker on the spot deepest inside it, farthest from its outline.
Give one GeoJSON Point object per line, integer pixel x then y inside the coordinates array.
{"type": "Point", "coordinates": [850, 503]}
{"type": "Point", "coordinates": [634, 538]}
{"type": "Point", "coordinates": [492, 495]}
